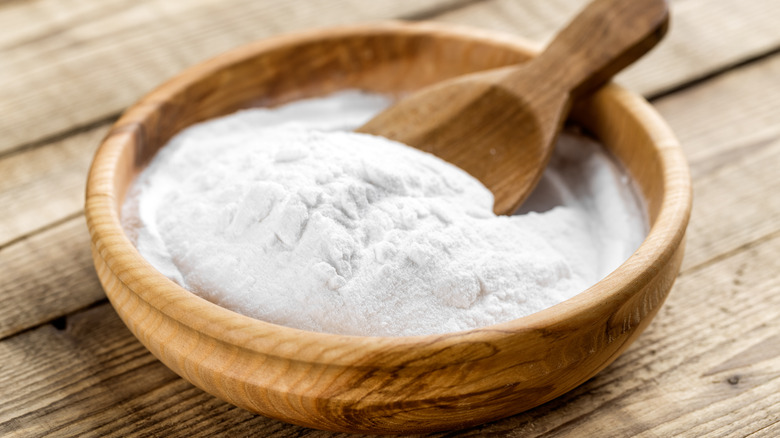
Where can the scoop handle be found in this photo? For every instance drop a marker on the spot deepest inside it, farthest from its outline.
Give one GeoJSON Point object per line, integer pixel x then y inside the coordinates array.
{"type": "Point", "coordinates": [601, 40]}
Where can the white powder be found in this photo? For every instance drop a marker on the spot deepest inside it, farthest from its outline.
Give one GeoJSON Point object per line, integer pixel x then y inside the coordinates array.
{"type": "Point", "coordinates": [278, 215]}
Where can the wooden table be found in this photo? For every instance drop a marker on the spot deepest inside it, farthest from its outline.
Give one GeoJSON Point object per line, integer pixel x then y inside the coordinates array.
{"type": "Point", "coordinates": [708, 365]}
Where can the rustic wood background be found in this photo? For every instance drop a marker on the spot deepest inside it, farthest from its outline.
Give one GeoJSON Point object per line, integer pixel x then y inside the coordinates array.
{"type": "Point", "coordinates": [709, 365]}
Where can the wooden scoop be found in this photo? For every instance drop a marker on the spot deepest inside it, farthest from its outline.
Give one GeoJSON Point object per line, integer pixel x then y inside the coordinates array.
{"type": "Point", "coordinates": [501, 125]}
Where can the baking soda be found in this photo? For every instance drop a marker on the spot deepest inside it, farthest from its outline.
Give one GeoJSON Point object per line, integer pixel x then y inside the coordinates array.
{"type": "Point", "coordinates": [286, 216]}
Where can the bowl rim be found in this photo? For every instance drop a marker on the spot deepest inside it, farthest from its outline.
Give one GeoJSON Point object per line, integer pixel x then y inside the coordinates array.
{"type": "Point", "coordinates": [110, 243]}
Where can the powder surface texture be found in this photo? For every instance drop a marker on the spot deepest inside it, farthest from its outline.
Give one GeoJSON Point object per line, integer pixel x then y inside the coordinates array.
{"type": "Point", "coordinates": [285, 216]}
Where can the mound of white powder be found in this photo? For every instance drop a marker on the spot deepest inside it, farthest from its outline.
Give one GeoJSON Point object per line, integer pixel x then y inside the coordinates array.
{"type": "Point", "coordinates": [284, 216]}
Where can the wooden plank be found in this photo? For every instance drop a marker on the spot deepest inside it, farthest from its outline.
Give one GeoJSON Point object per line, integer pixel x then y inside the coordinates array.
{"type": "Point", "coordinates": [720, 378]}
{"type": "Point", "coordinates": [93, 378]}
{"type": "Point", "coordinates": [44, 185]}
{"type": "Point", "coordinates": [729, 312]}
{"type": "Point", "coordinates": [46, 276]}
{"type": "Point", "coordinates": [704, 36]}
{"type": "Point", "coordinates": [136, 45]}
{"type": "Point", "coordinates": [770, 431]}
{"type": "Point", "coordinates": [726, 113]}
{"type": "Point", "coordinates": [723, 219]}
{"type": "Point", "coordinates": [68, 63]}
{"type": "Point", "coordinates": [730, 130]}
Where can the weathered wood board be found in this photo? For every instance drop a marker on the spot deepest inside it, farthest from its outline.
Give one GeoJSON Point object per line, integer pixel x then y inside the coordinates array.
{"type": "Point", "coordinates": [708, 365]}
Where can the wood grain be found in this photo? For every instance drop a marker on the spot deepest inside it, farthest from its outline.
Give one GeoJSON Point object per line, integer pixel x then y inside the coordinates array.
{"type": "Point", "coordinates": [730, 130]}
{"type": "Point", "coordinates": [501, 125]}
{"type": "Point", "coordinates": [704, 37]}
{"type": "Point", "coordinates": [380, 384]}
{"type": "Point", "coordinates": [107, 368]}
{"type": "Point", "coordinates": [45, 185]}
{"type": "Point", "coordinates": [744, 216]}
{"type": "Point", "coordinates": [727, 113]}
{"type": "Point", "coordinates": [721, 123]}
{"type": "Point", "coordinates": [91, 377]}
{"type": "Point", "coordinates": [137, 45]}
{"type": "Point", "coordinates": [46, 276]}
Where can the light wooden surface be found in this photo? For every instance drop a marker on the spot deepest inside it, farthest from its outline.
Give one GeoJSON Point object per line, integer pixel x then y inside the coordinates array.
{"type": "Point", "coordinates": [708, 365]}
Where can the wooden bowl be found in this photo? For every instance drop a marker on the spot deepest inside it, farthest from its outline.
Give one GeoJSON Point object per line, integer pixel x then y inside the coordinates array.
{"type": "Point", "coordinates": [381, 384]}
